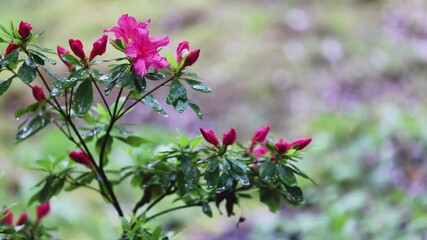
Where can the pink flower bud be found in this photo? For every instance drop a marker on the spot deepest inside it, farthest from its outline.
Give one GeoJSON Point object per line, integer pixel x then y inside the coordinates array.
{"type": "Point", "coordinates": [79, 156]}
{"type": "Point", "coordinates": [61, 51]}
{"type": "Point", "coordinates": [259, 152]}
{"type": "Point", "coordinates": [182, 50]}
{"type": "Point", "coordinates": [42, 210]}
{"type": "Point", "coordinates": [38, 93]}
{"type": "Point", "coordinates": [99, 47]}
{"type": "Point", "coordinates": [24, 30]}
{"type": "Point", "coordinates": [260, 134]}
{"type": "Point", "coordinates": [8, 219]}
{"type": "Point", "coordinates": [300, 143]}
{"type": "Point", "coordinates": [229, 137]}
{"type": "Point", "coordinates": [22, 219]}
{"type": "Point", "coordinates": [192, 58]}
{"type": "Point", "coordinates": [282, 146]}
{"type": "Point", "coordinates": [10, 48]}
{"type": "Point", "coordinates": [77, 48]}
{"type": "Point", "coordinates": [209, 136]}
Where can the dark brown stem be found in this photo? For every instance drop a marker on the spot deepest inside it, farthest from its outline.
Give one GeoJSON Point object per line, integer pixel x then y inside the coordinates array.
{"type": "Point", "coordinates": [102, 96]}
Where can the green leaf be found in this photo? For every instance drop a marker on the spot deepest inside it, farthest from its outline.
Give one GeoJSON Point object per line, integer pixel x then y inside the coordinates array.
{"type": "Point", "coordinates": [156, 76]}
{"type": "Point", "coordinates": [189, 176]}
{"type": "Point", "coordinates": [225, 182]}
{"type": "Point", "coordinates": [133, 140]}
{"type": "Point", "coordinates": [172, 61]}
{"type": "Point", "coordinates": [270, 197]}
{"type": "Point", "coordinates": [27, 72]}
{"type": "Point", "coordinates": [155, 105]}
{"type": "Point", "coordinates": [83, 98]}
{"type": "Point", "coordinates": [111, 84]}
{"type": "Point", "coordinates": [212, 174]}
{"type": "Point", "coordinates": [238, 172]}
{"type": "Point", "coordinates": [207, 209]}
{"type": "Point", "coordinates": [177, 91]}
{"type": "Point", "coordinates": [198, 86]}
{"type": "Point", "coordinates": [286, 175]}
{"type": "Point", "coordinates": [268, 171]}
{"type": "Point", "coordinates": [4, 85]}
{"type": "Point", "coordinates": [299, 172]}
{"type": "Point", "coordinates": [296, 193]}
{"type": "Point", "coordinates": [70, 59]}
{"type": "Point", "coordinates": [31, 126]}
{"type": "Point", "coordinates": [32, 108]}
{"type": "Point", "coordinates": [138, 83]}
{"type": "Point", "coordinates": [180, 105]}
{"type": "Point", "coordinates": [157, 233]}
{"type": "Point", "coordinates": [42, 57]}
{"type": "Point", "coordinates": [11, 58]}
{"type": "Point", "coordinates": [195, 108]}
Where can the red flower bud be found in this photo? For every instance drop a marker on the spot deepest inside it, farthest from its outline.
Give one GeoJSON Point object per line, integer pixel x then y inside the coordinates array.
{"type": "Point", "coordinates": [209, 136]}
{"type": "Point", "coordinates": [229, 137]}
{"type": "Point", "coordinates": [282, 146]}
{"type": "Point", "coordinates": [259, 152]}
{"type": "Point", "coordinates": [61, 51]}
{"type": "Point", "coordinates": [192, 58]}
{"type": "Point", "coordinates": [79, 156]}
{"type": "Point", "coordinates": [77, 48]}
{"type": "Point", "coordinates": [300, 143]}
{"type": "Point", "coordinates": [260, 134]}
{"type": "Point", "coordinates": [8, 219]}
{"type": "Point", "coordinates": [24, 30]}
{"type": "Point", "coordinates": [22, 219]}
{"type": "Point", "coordinates": [10, 48]}
{"type": "Point", "coordinates": [99, 47]}
{"type": "Point", "coordinates": [38, 93]}
{"type": "Point", "coordinates": [42, 210]}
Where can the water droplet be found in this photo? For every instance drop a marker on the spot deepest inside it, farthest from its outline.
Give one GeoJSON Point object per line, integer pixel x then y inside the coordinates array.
{"type": "Point", "coordinates": [17, 119]}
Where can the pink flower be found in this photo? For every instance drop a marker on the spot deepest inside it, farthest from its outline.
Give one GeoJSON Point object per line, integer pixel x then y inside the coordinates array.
{"type": "Point", "coordinates": [144, 52]}
{"type": "Point", "coordinates": [8, 219]}
{"type": "Point", "coordinates": [10, 48]}
{"type": "Point", "coordinates": [260, 134]}
{"type": "Point", "coordinates": [300, 143]}
{"type": "Point", "coordinates": [22, 219]}
{"type": "Point", "coordinates": [38, 93]}
{"type": "Point", "coordinates": [209, 136]}
{"type": "Point", "coordinates": [99, 47]}
{"type": "Point", "coordinates": [79, 156]}
{"type": "Point", "coordinates": [259, 152]}
{"type": "Point", "coordinates": [77, 48]}
{"type": "Point", "coordinates": [282, 146]}
{"type": "Point", "coordinates": [61, 51]}
{"type": "Point", "coordinates": [229, 137]}
{"type": "Point", "coordinates": [126, 27]}
{"type": "Point", "coordinates": [24, 30]}
{"type": "Point", "coordinates": [183, 50]}
{"type": "Point", "coordinates": [42, 210]}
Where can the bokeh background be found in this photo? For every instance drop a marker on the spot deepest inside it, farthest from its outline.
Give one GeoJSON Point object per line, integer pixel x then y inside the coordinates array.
{"type": "Point", "coordinates": [352, 74]}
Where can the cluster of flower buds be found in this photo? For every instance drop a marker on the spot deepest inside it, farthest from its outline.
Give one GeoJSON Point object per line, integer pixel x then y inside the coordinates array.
{"type": "Point", "coordinates": [229, 138]}
{"type": "Point", "coordinates": [183, 53]}
{"type": "Point", "coordinates": [41, 211]}
{"type": "Point", "coordinates": [24, 32]}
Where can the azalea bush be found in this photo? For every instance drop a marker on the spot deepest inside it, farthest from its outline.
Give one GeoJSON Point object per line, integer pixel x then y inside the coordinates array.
{"type": "Point", "coordinates": [196, 172]}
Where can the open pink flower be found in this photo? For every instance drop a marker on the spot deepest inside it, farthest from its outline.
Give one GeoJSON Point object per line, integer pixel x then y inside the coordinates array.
{"type": "Point", "coordinates": [209, 136]}
{"type": "Point", "coordinates": [24, 30]}
{"type": "Point", "coordinates": [99, 47]}
{"type": "Point", "coordinates": [77, 48]}
{"type": "Point", "coordinates": [79, 156]}
{"type": "Point", "coordinates": [61, 51]}
{"type": "Point", "coordinates": [260, 134]}
{"type": "Point", "coordinates": [126, 27]}
{"type": "Point", "coordinates": [229, 138]}
{"type": "Point", "coordinates": [144, 52]}
{"type": "Point", "coordinates": [22, 219]}
{"type": "Point", "coordinates": [183, 50]}
{"type": "Point", "coordinates": [42, 210]}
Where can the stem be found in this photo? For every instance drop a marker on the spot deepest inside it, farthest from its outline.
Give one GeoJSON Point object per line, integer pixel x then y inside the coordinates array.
{"type": "Point", "coordinates": [173, 209]}
{"type": "Point", "coordinates": [75, 182]}
{"type": "Point", "coordinates": [143, 96]}
{"type": "Point", "coordinates": [102, 96]}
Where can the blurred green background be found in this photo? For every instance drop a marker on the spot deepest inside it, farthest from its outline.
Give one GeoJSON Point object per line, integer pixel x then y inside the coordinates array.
{"type": "Point", "coordinates": [349, 73]}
